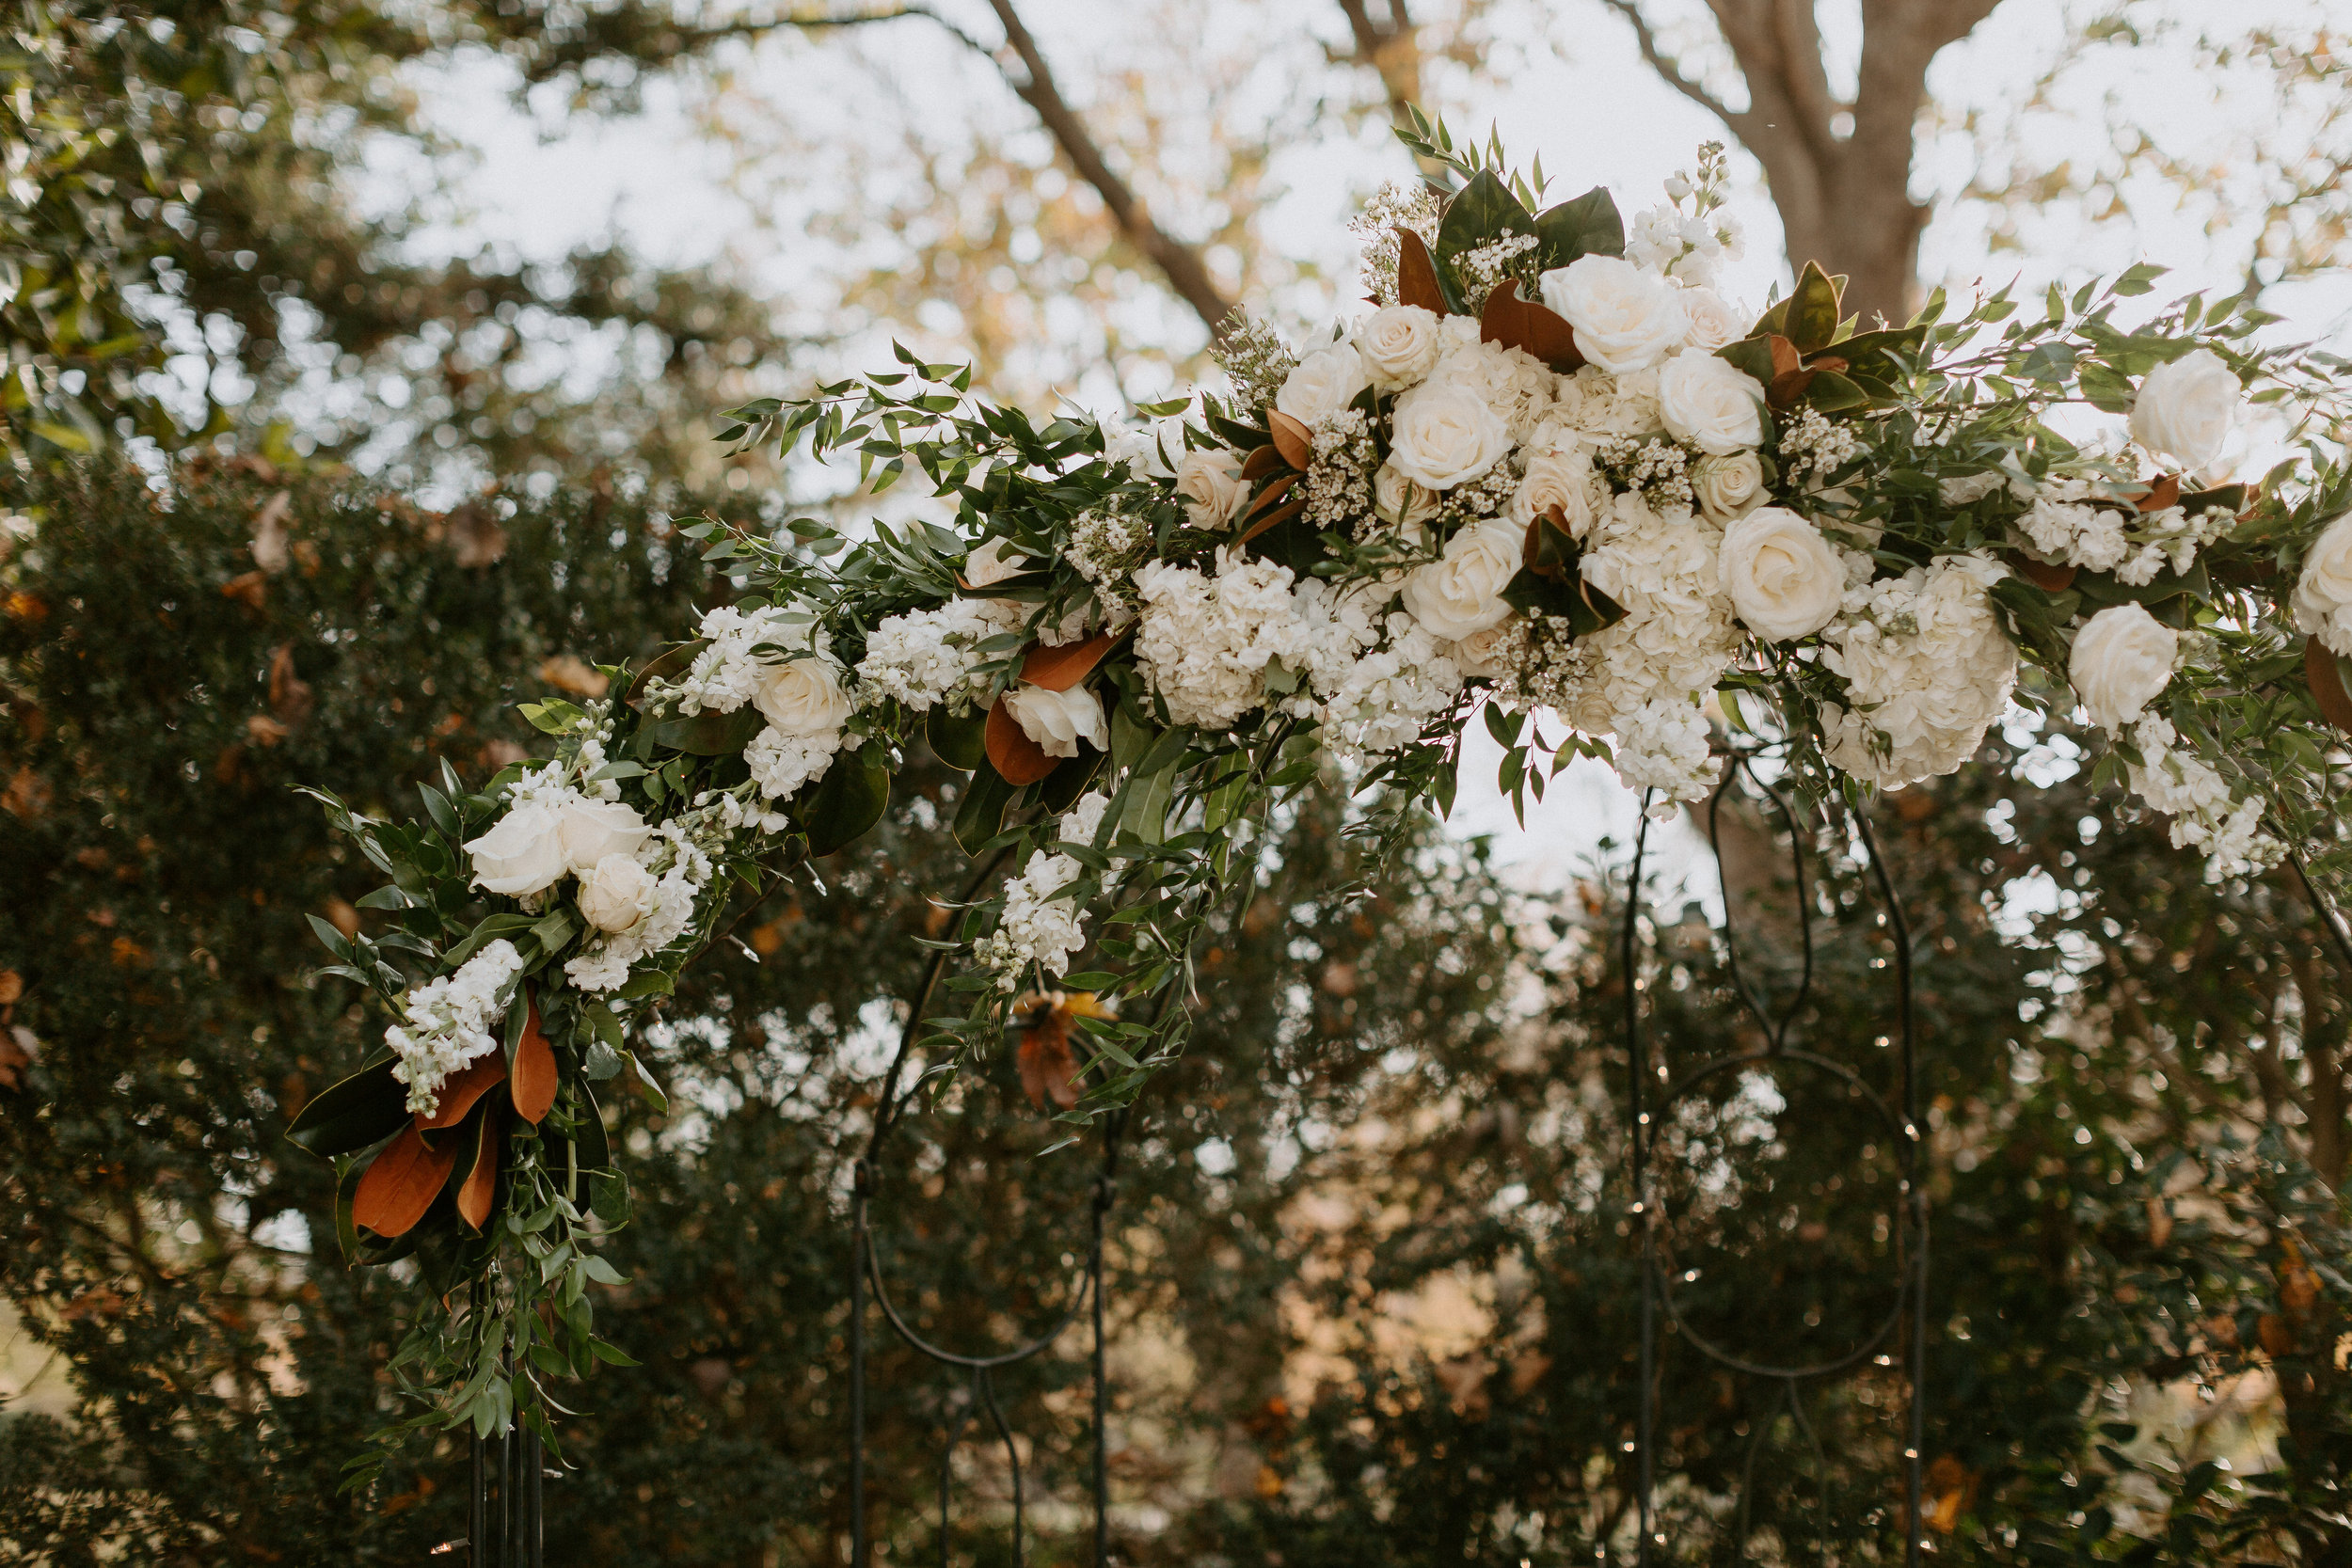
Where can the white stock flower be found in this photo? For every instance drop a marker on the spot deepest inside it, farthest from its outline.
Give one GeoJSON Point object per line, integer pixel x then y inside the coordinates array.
{"type": "Point", "coordinates": [451, 1021]}
{"type": "Point", "coordinates": [2322, 594]}
{"type": "Point", "coordinates": [2122, 659]}
{"type": "Point", "coordinates": [1443, 434]}
{"type": "Point", "coordinates": [781, 761]}
{"type": "Point", "coordinates": [1461, 592]}
{"type": "Point", "coordinates": [925, 657]}
{"type": "Point", "coordinates": [1713, 323]}
{"type": "Point", "coordinates": [1398, 346]}
{"type": "Point", "coordinates": [2204, 814]}
{"type": "Point", "coordinates": [617, 892]}
{"type": "Point", "coordinates": [1728, 487]}
{"type": "Point", "coordinates": [1036, 926]}
{"type": "Point", "coordinates": [1210, 485]}
{"type": "Point", "coordinates": [1784, 579]}
{"type": "Point", "coordinates": [1403, 501]}
{"type": "Point", "coordinates": [1058, 720]}
{"type": "Point", "coordinates": [1083, 821]}
{"type": "Point", "coordinates": [988, 564]}
{"type": "Point", "coordinates": [1326, 382]}
{"type": "Point", "coordinates": [1710, 403]}
{"type": "Point", "coordinates": [2187, 407]}
{"type": "Point", "coordinates": [1624, 318]}
{"type": "Point", "coordinates": [523, 851]}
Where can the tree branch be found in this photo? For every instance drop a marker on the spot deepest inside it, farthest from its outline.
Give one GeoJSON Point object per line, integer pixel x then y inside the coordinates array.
{"type": "Point", "coordinates": [1391, 49]}
{"type": "Point", "coordinates": [1670, 70]}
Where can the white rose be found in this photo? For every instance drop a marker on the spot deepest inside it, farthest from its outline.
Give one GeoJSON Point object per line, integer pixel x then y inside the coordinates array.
{"type": "Point", "coordinates": [1784, 579]}
{"type": "Point", "coordinates": [2123, 658]}
{"type": "Point", "coordinates": [1401, 500]}
{"type": "Point", "coordinates": [2187, 407]}
{"type": "Point", "coordinates": [1058, 720]}
{"type": "Point", "coordinates": [1711, 402]}
{"type": "Point", "coordinates": [522, 852]}
{"type": "Point", "coordinates": [1728, 487]}
{"type": "Point", "coordinates": [1713, 322]}
{"type": "Point", "coordinates": [1209, 483]}
{"type": "Point", "coordinates": [803, 696]}
{"type": "Point", "coordinates": [1444, 435]}
{"type": "Point", "coordinates": [1461, 592]}
{"type": "Point", "coordinates": [1326, 382]}
{"type": "Point", "coordinates": [590, 830]}
{"type": "Point", "coordinates": [1148, 453]}
{"type": "Point", "coordinates": [1559, 478]}
{"type": "Point", "coordinates": [1481, 652]}
{"type": "Point", "coordinates": [988, 564]}
{"type": "Point", "coordinates": [1398, 345]}
{"type": "Point", "coordinates": [2322, 594]}
{"type": "Point", "coordinates": [615, 894]}
{"type": "Point", "coordinates": [1624, 318]}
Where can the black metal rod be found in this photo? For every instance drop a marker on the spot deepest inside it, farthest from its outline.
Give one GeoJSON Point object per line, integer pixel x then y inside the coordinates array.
{"type": "Point", "coordinates": [477, 1508]}
{"type": "Point", "coordinates": [1102, 1383]}
{"type": "Point", "coordinates": [860, 1548]}
{"type": "Point", "coordinates": [1644, 1458]}
{"type": "Point", "coordinates": [534, 1501]}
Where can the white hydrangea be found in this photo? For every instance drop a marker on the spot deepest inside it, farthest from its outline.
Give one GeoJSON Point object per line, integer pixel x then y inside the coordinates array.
{"type": "Point", "coordinates": [1036, 926]}
{"type": "Point", "coordinates": [1514, 383]}
{"type": "Point", "coordinates": [1203, 643]}
{"type": "Point", "coordinates": [725, 676]}
{"type": "Point", "coordinates": [2198, 799]}
{"type": "Point", "coordinates": [1381, 699]}
{"type": "Point", "coordinates": [1594, 403]}
{"type": "Point", "coordinates": [451, 1021]}
{"type": "Point", "coordinates": [1927, 668]}
{"type": "Point", "coordinates": [925, 657]}
{"type": "Point", "coordinates": [1678, 634]}
{"type": "Point", "coordinates": [782, 763]}
{"type": "Point", "coordinates": [1662, 745]}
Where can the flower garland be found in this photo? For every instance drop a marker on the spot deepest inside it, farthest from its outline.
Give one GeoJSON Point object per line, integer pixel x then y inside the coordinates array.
{"type": "Point", "coordinates": [1551, 472]}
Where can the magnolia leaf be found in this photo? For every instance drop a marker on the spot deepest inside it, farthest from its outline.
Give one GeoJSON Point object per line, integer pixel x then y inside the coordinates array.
{"type": "Point", "coordinates": [363, 1109]}
{"type": "Point", "coordinates": [1522, 324]}
{"type": "Point", "coordinates": [672, 663]}
{"type": "Point", "coordinates": [708, 735]}
{"type": "Point", "coordinates": [2322, 672]}
{"type": "Point", "coordinates": [1587, 226]}
{"type": "Point", "coordinates": [462, 1089]}
{"type": "Point", "coordinates": [1016, 759]}
{"type": "Point", "coordinates": [477, 1187]}
{"type": "Point", "coordinates": [401, 1183]}
{"type": "Point", "coordinates": [1059, 669]}
{"type": "Point", "coordinates": [848, 799]}
{"type": "Point", "coordinates": [534, 1089]}
{"type": "Point", "coordinates": [1830, 391]}
{"type": "Point", "coordinates": [1812, 311]}
{"type": "Point", "coordinates": [1417, 274]}
{"type": "Point", "coordinates": [1481, 212]}
{"type": "Point", "coordinates": [1292, 438]}
{"type": "Point", "coordinates": [1282, 514]}
{"type": "Point", "coordinates": [957, 739]}
{"type": "Point", "coordinates": [2051, 576]}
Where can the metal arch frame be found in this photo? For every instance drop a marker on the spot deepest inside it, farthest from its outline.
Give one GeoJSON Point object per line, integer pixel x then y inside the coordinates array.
{"type": "Point", "coordinates": [1911, 1211]}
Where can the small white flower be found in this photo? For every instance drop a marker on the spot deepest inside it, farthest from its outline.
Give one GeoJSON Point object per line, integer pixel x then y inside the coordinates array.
{"type": "Point", "coordinates": [615, 894]}
{"type": "Point", "coordinates": [1624, 318]}
{"type": "Point", "coordinates": [1082, 821]}
{"type": "Point", "coordinates": [1461, 592]}
{"type": "Point", "coordinates": [1443, 434]}
{"type": "Point", "coordinates": [2322, 594]}
{"type": "Point", "coordinates": [988, 564]}
{"type": "Point", "coordinates": [2122, 659]}
{"type": "Point", "coordinates": [1058, 720]}
{"type": "Point", "coordinates": [1711, 402]}
{"type": "Point", "coordinates": [1326, 382]}
{"type": "Point", "coordinates": [1784, 579]}
{"type": "Point", "coordinates": [1398, 346]}
{"type": "Point", "coordinates": [2187, 407]}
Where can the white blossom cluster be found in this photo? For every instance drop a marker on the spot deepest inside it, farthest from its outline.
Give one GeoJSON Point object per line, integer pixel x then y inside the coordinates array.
{"type": "Point", "coordinates": [2064, 526]}
{"type": "Point", "coordinates": [926, 657]}
{"type": "Point", "coordinates": [1040, 925]}
{"type": "Point", "coordinates": [2198, 799]}
{"type": "Point", "coordinates": [1927, 668]}
{"type": "Point", "coordinates": [452, 1022]}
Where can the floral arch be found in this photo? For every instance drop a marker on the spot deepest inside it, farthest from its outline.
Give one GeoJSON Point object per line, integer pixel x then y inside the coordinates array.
{"type": "Point", "coordinates": [1552, 483]}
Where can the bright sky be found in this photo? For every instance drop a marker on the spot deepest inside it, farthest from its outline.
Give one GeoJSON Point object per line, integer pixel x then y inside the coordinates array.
{"type": "Point", "coordinates": [754, 167]}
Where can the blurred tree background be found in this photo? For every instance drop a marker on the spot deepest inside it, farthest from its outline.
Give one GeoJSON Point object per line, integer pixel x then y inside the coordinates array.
{"type": "Point", "coordinates": [299, 491]}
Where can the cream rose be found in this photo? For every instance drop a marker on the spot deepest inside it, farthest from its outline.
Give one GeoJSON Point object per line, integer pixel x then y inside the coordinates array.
{"type": "Point", "coordinates": [1481, 652]}
{"type": "Point", "coordinates": [1624, 318]}
{"type": "Point", "coordinates": [1460, 593]}
{"type": "Point", "coordinates": [2123, 658]}
{"type": "Point", "coordinates": [803, 696]}
{"type": "Point", "coordinates": [1326, 382]}
{"type": "Point", "coordinates": [522, 853]}
{"type": "Point", "coordinates": [1784, 579]}
{"type": "Point", "coordinates": [1210, 485]}
{"type": "Point", "coordinates": [1401, 500]}
{"type": "Point", "coordinates": [2322, 594]}
{"type": "Point", "coordinates": [1058, 720]}
{"type": "Point", "coordinates": [2186, 408]}
{"type": "Point", "coordinates": [1559, 478]}
{"type": "Point", "coordinates": [1710, 403]}
{"type": "Point", "coordinates": [1713, 323]}
{"type": "Point", "coordinates": [1397, 346]}
{"type": "Point", "coordinates": [615, 894]}
{"type": "Point", "coordinates": [988, 564]}
{"type": "Point", "coordinates": [590, 830]}
{"type": "Point", "coordinates": [1444, 435]}
{"type": "Point", "coordinates": [1728, 487]}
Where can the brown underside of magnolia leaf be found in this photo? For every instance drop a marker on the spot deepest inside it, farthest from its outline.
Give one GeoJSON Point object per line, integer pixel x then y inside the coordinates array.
{"type": "Point", "coordinates": [1532, 550]}
{"type": "Point", "coordinates": [2049, 576]}
{"type": "Point", "coordinates": [1059, 669]}
{"type": "Point", "coordinates": [482, 1182]}
{"type": "Point", "coordinates": [1011, 752]}
{"type": "Point", "coordinates": [534, 1071]}
{"type": "Point", "coordinates": [401, 1183]}
{"type": "Point", "coordinates": [1049, 1068]}
{"type": "Point", "coordinates": [461, 1088]}
{"type": "Point", "coordinates": [1260, 463]}
{"type": "Point", "coordinates": [1279, 515]}
{"type": "Point", "coordinates": [1292, 438]}
{"type": "Point", "coordinates": [1266, 497]}
{"type": "Point", "coordinates": [2163, 493]}
{"type": "Point", "coordinates": [1523, 323]}
{"type": "Point", "coordinates": [1417, 274]}
{"type": "Point", "coordinates": [2326, 678]}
